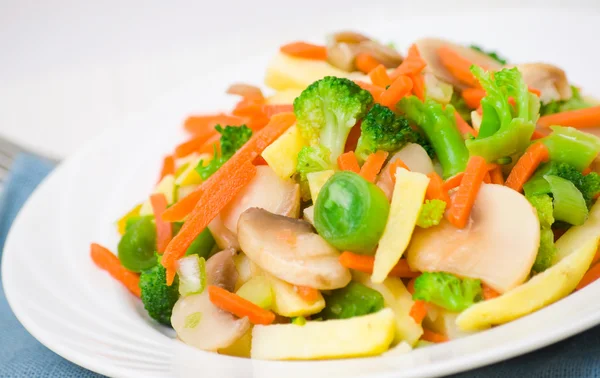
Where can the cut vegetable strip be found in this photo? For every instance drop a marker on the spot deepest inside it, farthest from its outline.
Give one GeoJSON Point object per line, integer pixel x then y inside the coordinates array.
{"type": "Point", "coordinates": [194, 144]}
{"type": "Point", "coordinates": [365, 62]}
{"type": "Point", "coordinates": [200, 124]}
{"type": "Point", "coordinates": [418, 311]}
{"type": "Point", "coordinates": [473, 97]}
{"type": "Point", "coordinates": [348, 162]}
{"type": "Point", "coordinates": [380, 77]}
{"type": "Point", "coordinates": [309, 294]}
{"type": "Point", "coordinates": [418, 86]}
{"type": "Point", "coordinates": [457, 66]}
{"type": "Point", "coordinates": [463, 126]}
{"type": "Point", "coordinates": [373, 165]}
{"type": "Point", "coordinates": [398, 163]}
{"type": "Point", "coordinates": [183, 207]}
{"type": "Point", "coordinates": [168, 167]}
{"type": "Point", "coordinates": [163, 229]}
{"type": "Point", "coordinates": [496, 175]}
{"type": "Point", "coordinates": [271, 110]}
{"type": "Point", "coordinates": [375, 91]}
{"type": "Point", "coordinates": [238, 306]}
{"type": "Point", "coordinates": [305, 50]}
{"type": "Point", "coordinates": [526, 165]}
{"type": "Point", "coordinates": [582, 118]}
{"type": "Point", "coordinates": [364, 263]}
{"type": "Point", "coordinates": [413, 64]}
{"type": "Point", "coordinates": [454, 181]}
{"type": "Point", "coordinates": [106, 260]}
{"type": "Point", "coordinates": [436, 189]}
{"type": "Point", "coordinates": [489, 293]}
{"type": "Point", "coordinates": [462, 202]}
{"type": "Point", "coordinates": [433, 337]}
{"type": "Point", "coordinates": [401, 87]}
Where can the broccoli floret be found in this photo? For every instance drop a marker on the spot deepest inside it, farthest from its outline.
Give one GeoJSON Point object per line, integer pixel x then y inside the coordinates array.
{"type": "Point", "coordinates": [328, 109]}
{"type": "Point", "coordinates": [311, 159]}
{"type": "Point", "coordinates": [492, 54]}
{"type": "Point", "coordinates": [381, 129]}
{"type": "Point", "coordinates": [447, 290]}
{"type": "Point", "coordinates": [588, 185]}
{"type": "Point", "coordinates": [547, 250]}
{"type": "Point", "coordinates": [232, 138]}
{"type": "Point", "coordinates": [157, 297]}
{"type": "Point", "coordinates": [431, 213]}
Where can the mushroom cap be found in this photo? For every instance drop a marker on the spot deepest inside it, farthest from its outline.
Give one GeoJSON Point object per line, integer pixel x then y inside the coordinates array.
{"type": "Point", "coordinates": [416, 159]}
{"type": "Point", "coordinates": [498, 246]}
{"type": "Point", "coordinates": [550, 80]}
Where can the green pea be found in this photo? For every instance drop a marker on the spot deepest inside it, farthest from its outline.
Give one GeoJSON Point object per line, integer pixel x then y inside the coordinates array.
{"type": "Point", "coordinates": [138, 245]}
{"type": "Point", "coordinates": [353, 300]}
{"type": "Point", "coordinates": [351, 213]}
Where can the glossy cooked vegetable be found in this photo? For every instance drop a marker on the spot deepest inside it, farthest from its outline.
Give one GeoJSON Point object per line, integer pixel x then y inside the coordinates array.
{"type": "Point", "coordinates": [353, 300]}
{"type": "Point", "coordinates": [571, 146]}
{"type": "Point", "coordinates": [137, 247]}
{"type": "Point", "coordinates": [447, 290]}
{"type": "Point", "coordinates": [232, 138]}
{"type": "Point", "coordinates": [351, 212]}
{"type": "Point", "coordinates": [157, 297]}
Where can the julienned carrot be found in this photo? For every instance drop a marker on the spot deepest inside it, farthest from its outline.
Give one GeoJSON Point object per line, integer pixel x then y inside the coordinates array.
{"type": "Point", "coordinates": [307, 293]}
{"type": "Point", "coordinates": [463, 126]}
{"type": "Point", "coordinates": [399, 88]}
{"type": "Point", "coordinates": [537, 135]}
{"type": "Point", "coordinates": [373, 165]}
{"type": "Point", "coordinates": [487, 178]}
{"type": "Point", "coordinates": [375, 91]}
{"type": "Point", "coordinates": [462, 202]}
{"type": "Point", "coordinates": [418, 86]}
{"type": "Point", "coordinates": [239, 306]}
{"type": "Point", "coordinates": [106, 260]}
{"type": "Point", "coordinates": [433, 337]}
{"type": "Point", "coordinates": [364, 264]}
{"type": "Point", "coordinates": [348, 162]}
{"type": "Point", "coordinates": [489, 293]}
{"type": "Point", "coordinates": [496, 174]}
{"type": "Point", "coordinates": [453, 182]}
{"type": "Point", "coordinates": [473, 97]}
{"type": "Point", "coordinates": [194, 144]}
{"type": "Point", "coordinates": [380, 77]}
{"type": "Point", "coordinates": [210, 145]}
{"type": "Point", "coordinates": [590, 276]}
{"type": "Point", "coordinates": [435, 189]}
{"type": "Point", "coordinates": [246, 91]}
{"type": "Point", "coordinates": [271, 109]}
{"type": "Point", "coordinates": [458, 66]}
{"type": "Point", "coordinates": [168, 167]}
{"type": "Point", "coordinates": [305, 50]}
{"type": "Point", "coordinates": [365, 62]}
{"type": "Point", "coordinates": [418, 311]}
{"type": "Point", "coordinates": [248, 108]}
{"type": "Point", "coordinates": [398, 163]}
{"type": "Point", "coordinates": [535, 91]}
{"type": "Point", "coordinates": [222, 187]}
{"type": "Point", "coordinates": [199, 124]}
{"type": "Point", "coordinates": [582, 118]}
{"type": "Point", "coordinates": [353, 137]}
{"type": "Point", "coordinates": [183, 207]}
{"type": "Point", "coordinates": [163, 229]}
{"type": "Point", "coordinates": [536, 154]}
{"type": "Point", "coordinates": [413, 64]}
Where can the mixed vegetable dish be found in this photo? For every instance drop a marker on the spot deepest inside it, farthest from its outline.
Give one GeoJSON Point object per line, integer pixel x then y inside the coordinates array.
{"type": "Point", "coordinates": [371, 203]}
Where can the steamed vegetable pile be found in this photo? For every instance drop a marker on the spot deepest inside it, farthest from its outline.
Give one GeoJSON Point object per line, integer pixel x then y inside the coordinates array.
{"type": "Point", "coordinates": [374, 201]}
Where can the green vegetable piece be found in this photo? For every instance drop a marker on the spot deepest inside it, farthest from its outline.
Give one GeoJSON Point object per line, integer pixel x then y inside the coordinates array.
{"type": "Point", "coordinates": [571, 146]}
{"type": "Point", "coordinates": [460, 106]}
{"type": "Point", "coordinates": [576, 102]}
{"type": "Point", "coordinates": [447, 290]}
{"type": "Point", "coordinates": [351, 213]}
{"type": "Point", "coordinates": [192, 320]}
{"type": "Point", "coordinates": [202, 245]}
{"type": "Point", "coordinates": [353, 300]}
{"type": "Point", "coordinates": [157, 297]}
{"type": "Point", "coordinates": [423, 344]}
{"type": "Point", "coordinates": [311, 159]}
{"type": "Point", "coordinates": [299, 320]}
{"type": "Point", "coordinates": [440, 129]}
{"type": "Point", "coordinates": [547, 250]}
{"type": "Point", "coordinates": [191, 271]}
{"type": "Point", "coordinates": [569, 205]}
{"type": "Point", "coordinates": [545, 210]}
{"type": "Point", "coordinates": [431, 213]}
{"type": "Point", "coordinates": [232, 138]}
{"type": "Point", "coordinates": [382, 130]}
{"type": "Point", "coordinates": [496, 109]}
{"type": "Point", "coordinates": [137, 247]}
{"type": "Point", "coordinates": [492, 54]}
{"type": "Point", "coordinates": [258, 291]}
{"type": "Point", "coordinates": [327, 110]}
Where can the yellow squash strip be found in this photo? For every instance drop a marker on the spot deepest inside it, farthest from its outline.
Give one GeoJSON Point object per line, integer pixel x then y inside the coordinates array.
{"type": "Point", "coordinates": [407, 198]}
{"type": "Point", "coordinates": [282, 154]}
{"type": "Point", "coordinates": [316, 180]}
{"type": "Point", "coordinates": [285, 72]}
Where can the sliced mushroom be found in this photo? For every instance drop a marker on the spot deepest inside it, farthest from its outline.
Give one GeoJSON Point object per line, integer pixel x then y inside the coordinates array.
{"type": "Point", "coordinates": [290, 250]}
{"type": "Point", "coordinates": [224, 237]}
{"type": "Point", "coordinates": [343, 47]}
{"type": "Point", "coordinates": [548, 79]}
{"type": "Point", "coordinates": [498, 246]}
{"type": "Point", "coordinates": [416, 159]}
{"type": "Point", "coordinates": [428, 47]}
{"type": "Point", "coordinates": [200, 323]}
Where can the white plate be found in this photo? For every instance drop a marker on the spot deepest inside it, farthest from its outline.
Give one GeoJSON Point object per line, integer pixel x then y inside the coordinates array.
{"type": "Point", "coordinates": [85, 316]}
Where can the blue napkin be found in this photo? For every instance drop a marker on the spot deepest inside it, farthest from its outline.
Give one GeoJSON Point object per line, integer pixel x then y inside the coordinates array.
{"type": "Point", "coordinates": [21, 355]}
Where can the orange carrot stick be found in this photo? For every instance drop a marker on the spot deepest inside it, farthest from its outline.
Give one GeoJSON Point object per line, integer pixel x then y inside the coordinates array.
{"type": "Point", "coordinates": [380, 77]}
{"type": "Point", "coordinates": [353, 137]}
{"type": "Point", "coordinates": [348, 162]}
{"type": "Point", "coordinates": [365, 62]}
{"type": "Point", "coordinates": [496, 175]}
{"type": "Point", "coordinates": [375, 91]}
{"type": "Point", "coordinates": [106, 260]}
{"type": "Point", "coordinates": [418, 311]}
{"type": "Point", "coordinates": [586, 171]}
{"type": "Point", "coordinates": [364, 264]}
{"type": "Point", "coordinates": [413, 64]}
{"type": "Point", "coordinates": [461, 204]}
{"type": "Point", "coordinates": [222, 187]}
{"type": "Point", "coordinates": [239, 306]}
{"type": "Point", "coordinates": [433, 337]}
{"type": "Point", "coordinates": [307, 293]}
{"type": "Point", "coordinates": [305, 50]}
{"type": "Point", "coordinates": [489, 293]}
{"type": "Point", "coordinates": [373, 165]}
{"type": "Point", "coordinates": [401, 87]}
{"type": "Point", "coordinates": [200, 124]}
{"type": "Point", "coordinates": [457, 66]}
{"type": "Point", "coordinates": [398, 163]}
{"type": "Point", "coordinates": [211, 143]}
{"type": "Point", "coordinates": [582, 118]}
{"type": "Point", "coordinates": [435, 189]}
{"type": "Point", "coordinates": [537, 135]}
{"type": "Point", "coordinates": [487, 178]}
{"type": "Point", "coordinates": [473, 97]}
{"type": "Point", "coordinates": [536, 154]}
{"type": "Point", "coordinates": [163, 229]}
{"type": "Point", "coordinates": [183, 207]}
{"type": "Point", "coordinates": [463, 126]}
{"type": "Point", "coordinates": [246, 91]}
{"type": "Point", "coordinates": [168, 167]}
{"type": "Point", "coordinates": [418, 86]}
{"type": "Point", "coordinates": [271, 109]}
{"type": "Point", "coordinates": [453, 182]}
{"type": "Point", "coordinates": [194, 144]}
{"type": "Point", "coordinates": [590, 276]}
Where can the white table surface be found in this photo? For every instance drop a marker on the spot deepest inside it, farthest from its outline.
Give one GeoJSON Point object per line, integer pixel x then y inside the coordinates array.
{"type": "Point", "coordinates": [70, 69]}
